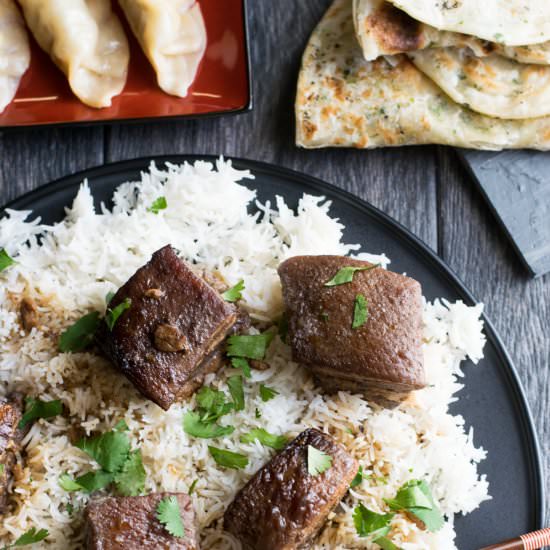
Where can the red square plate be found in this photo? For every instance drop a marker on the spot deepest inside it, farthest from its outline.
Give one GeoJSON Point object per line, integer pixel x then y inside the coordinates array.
{"type": "Point", "coordinates": [222, 84]}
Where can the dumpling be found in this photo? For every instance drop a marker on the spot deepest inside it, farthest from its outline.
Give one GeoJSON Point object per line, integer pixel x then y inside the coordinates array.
{"type": "Point", "coordinates": [173, 37]}
{"type": "Point", "coordinates": [15, 54]}
{"type": "Point", "coordinates": [86, 41]}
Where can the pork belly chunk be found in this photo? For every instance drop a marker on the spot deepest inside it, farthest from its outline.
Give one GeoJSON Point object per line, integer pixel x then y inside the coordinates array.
{"type": "Point", "coordinates": [11, 411]}
{"type": "Point", "coordinates": [382, 358]}
{"type": "Point", "coordinates": [283, 507]}
{"type": "Point", "coordinates": [165, 341]}
{"type": "Point", "coordinates": [131, 523]}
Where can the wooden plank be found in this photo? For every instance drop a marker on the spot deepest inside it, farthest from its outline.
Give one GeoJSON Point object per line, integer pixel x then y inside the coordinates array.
{"type": "Point", "coordinates": [30, 158]}
{"type": "Point", "coordinates": [400, 181]}
{"type": "Point", "coordinates": [516, 185]}
{"type": "Point", "coordinates": [472, 243]}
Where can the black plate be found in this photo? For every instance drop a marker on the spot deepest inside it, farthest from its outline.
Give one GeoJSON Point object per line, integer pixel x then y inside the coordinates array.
{"type": "Point", "coordinates": [492, 401]}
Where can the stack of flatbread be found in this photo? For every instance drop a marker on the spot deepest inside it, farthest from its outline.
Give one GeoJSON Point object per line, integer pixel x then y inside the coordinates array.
{"type": "Point", "coordinates": [468, 73]}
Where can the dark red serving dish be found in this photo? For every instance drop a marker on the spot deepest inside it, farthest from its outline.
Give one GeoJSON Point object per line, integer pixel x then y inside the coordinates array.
{"type": "Point", "coordinates": [222, 84]}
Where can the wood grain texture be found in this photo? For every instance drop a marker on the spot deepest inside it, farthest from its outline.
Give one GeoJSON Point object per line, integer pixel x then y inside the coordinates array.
{"type": "Point", "coordinates": [424, 188]}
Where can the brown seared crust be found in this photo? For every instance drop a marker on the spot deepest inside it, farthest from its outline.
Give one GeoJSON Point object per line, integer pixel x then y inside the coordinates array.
{"type": "Point", "coordinates": [384, 355]}
{"type": "Point", "coordinates": [11, 411]}
{"type": "Point", "coordinates": [130, 523]}
{"type": "Point", "coordinates": [394, 29]}
{"type": "Point", "coordinates": [283, 507]}
{"type": "Point", "coordinates": [194, 319]}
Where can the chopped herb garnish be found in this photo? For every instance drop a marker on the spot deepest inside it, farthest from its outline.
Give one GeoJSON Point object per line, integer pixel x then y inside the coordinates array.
{"type": "Point", "coordinates": [325, 316]}
{"type": "Point", "coordinates": [130, 480]}
{"type": "Point", "coordinates": [235, 385]}
{"type": "Point", "coordinates": [70, 509]}
{"type": "Point", "coordinates": [358, 479]}
{"type": "Point", "coordinates": [2, 468]}
{"type": "Point", "coordinates": [196, 427]}
{"type": "Point", "coordinates": [369, 523]}
{"type": "Point", "coordinates": [258, 413]}
{"type": "Point", "coordinates": [158, 205]}
{"type": "Point", "coordinates": [360, 311]}
{"type": "Point", "coordinates": [249, 346]}
{"type": "Point", "coordinates": [169, 514]}
{"type": "Point", "coordinates": [112, 315]}
{"type": "Point", "coordinates": [267, 393]}
{"type": "Point", "coordinates": [227, 459]}
{"type": "Point", "coordinates": [345, 274]}
{"type": "Point", "coordinates": [121, 426]}
{"type": "Point", "coordinates": [110, 449]}
{"type": "Point", "coordinates": [67, 483]}
{"type": "Point", "coordinates": [109, 296]}
{"type": "Point", "coordinates": [317, 461]}
{"type": "Point", "coordinates": [80, 335]}
{"type": "Point", "coordinates": [212, 404]}
{"type": "Point", "coordinates": [386, 544]}
{"type": "Point", "coordinates": [234, 293]}
{"type": "Point", "coordinates": [276, 442]}
{"type": "Point", "coordinates": [94, 481]}
{"type": "Point", "coordinates": [416, 498]}
{"type": "Point", "coordinates": [5, 259]}
{"type": "Point", "coordinates": [32, 536]}
{"type": "Point", "coordinates": [40, 409]}
{"type": "Point", "coordinates": [283, 327]}
{"type": "Point", "coordinates": [192, 487]}
{"type": "Point", "coordinates": [243, 364]}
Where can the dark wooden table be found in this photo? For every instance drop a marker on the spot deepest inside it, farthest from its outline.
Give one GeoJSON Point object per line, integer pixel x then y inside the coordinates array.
{"type": "Point", "coordinates": [424, 188]}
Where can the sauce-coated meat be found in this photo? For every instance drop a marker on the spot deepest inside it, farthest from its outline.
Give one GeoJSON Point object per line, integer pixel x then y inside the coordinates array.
{"type": "Point", "coordinates": [130, 523]}
{"type": "Point", "coordinates": [283, 507]}
{"type": "Point", "coordinates": [165, 341]}
{"type": "Point", "coordinates": [11, 411]}
{"type": "Point", "coordinates": [383, 357]}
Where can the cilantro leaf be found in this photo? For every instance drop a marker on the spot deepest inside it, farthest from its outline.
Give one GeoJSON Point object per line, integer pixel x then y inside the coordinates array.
{"type": "Point", "coordinates": [130, 480]}
{"type": "Point", "coordinates": [227, 459]}
{"type": "Point", "coordinates": [169, 514]}
{"type": "Point", "coordinates": [267, 393]}
{"type": "Point", "coordinates": [358, 479]}
{"type": "Point", "coordinates": [317, 461]}
{"type": "Point", "coordinates": [5, 259]}
{"type": "Point", "coordinates": [360, 311]}
{"type": "Point", "coordinates": [109, 296]}
{"type": "Point", "coordinates": [345, 274]}
{"type": "Point", "coordinates": [112, 315]}
{"type": "Point", "coordinates": [282, 325]}
{"type": "Point", "coordinates": [192, 488]}
{"type": "Point", "coordinates": [249, 346]}
{"type": "Point", "coordinates": [2, 468]}
{"type": "Point", "coordinates": [158, 205]}
{"type": "Point", "coordinates": [415, 497]}
{"type": "Point", "coordinates": [235, 385]}
{"type": "Point", "coordinates": [241, 363]}
{"type": "Point", "coordinates": [110, 449]}
{"type": "Point", "coordinates": [40, 409]}
{"type": "Point", "coordinates": [94, 481]}
{"type": "Point", "coordinates": [234, 293]}
{"type": "Point", "coordinates": [276, 442]}
{"type": "Point", "coordinates": [212, 404]}
{"type": "Point", "coordinates": [67, 483]}
{"type": "Point", "coordinates": [121, 426]}
{"type": "Point", "coordinates": [196, 427]}
{"type": "Point", "coordinates": [80, 335]}
{"type": "Point", "coordinates": [32, 536]}
{"type": "Point", "coordinates": [386, 544]}
{"type": "Point", "coordinates": [369, 523]}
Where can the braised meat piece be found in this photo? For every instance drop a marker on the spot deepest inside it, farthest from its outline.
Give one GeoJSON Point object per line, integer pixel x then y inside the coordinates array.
{"type": "Point", "coordinates": [283, 506]}
{"type": "Point", "coordinates": [165, 340]}
{"type": "Point", "coordinates": [11, 411]}
{"type": "Point", "coordinates": [131, 523]}
{"type": "Point", "coordinates": [382, 356]}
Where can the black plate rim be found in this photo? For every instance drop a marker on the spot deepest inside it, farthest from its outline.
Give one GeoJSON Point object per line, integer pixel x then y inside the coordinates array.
{"type": "Point", "coordinates": [246, 107]}
{"type": "Point", "coordinates": [401, 232]}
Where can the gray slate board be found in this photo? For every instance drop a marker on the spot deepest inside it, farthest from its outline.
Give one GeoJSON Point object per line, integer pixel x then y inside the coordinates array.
{"type": "Point", "coordinates": [516, 185]}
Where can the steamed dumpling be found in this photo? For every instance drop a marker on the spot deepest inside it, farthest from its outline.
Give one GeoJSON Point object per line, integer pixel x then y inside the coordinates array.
{"type": "Point", "coordinates": [173, 37]}
{"type": "Point", "coordinates": [86, 41]}
{"type": "Point", "coordinates": [14, 51]}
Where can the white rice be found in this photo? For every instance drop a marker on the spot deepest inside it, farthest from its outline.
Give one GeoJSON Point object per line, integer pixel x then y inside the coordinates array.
{"type": "Point", "coordinates": [78, 261]}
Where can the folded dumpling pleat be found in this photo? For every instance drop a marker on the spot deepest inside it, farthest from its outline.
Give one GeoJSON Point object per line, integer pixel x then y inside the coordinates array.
{"type": "Point", "coordinates": [173, 36]}
{"type": "Point", "coordinates": [86, 41]}
{"type": "Point", "coordinates": [14, 51]}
